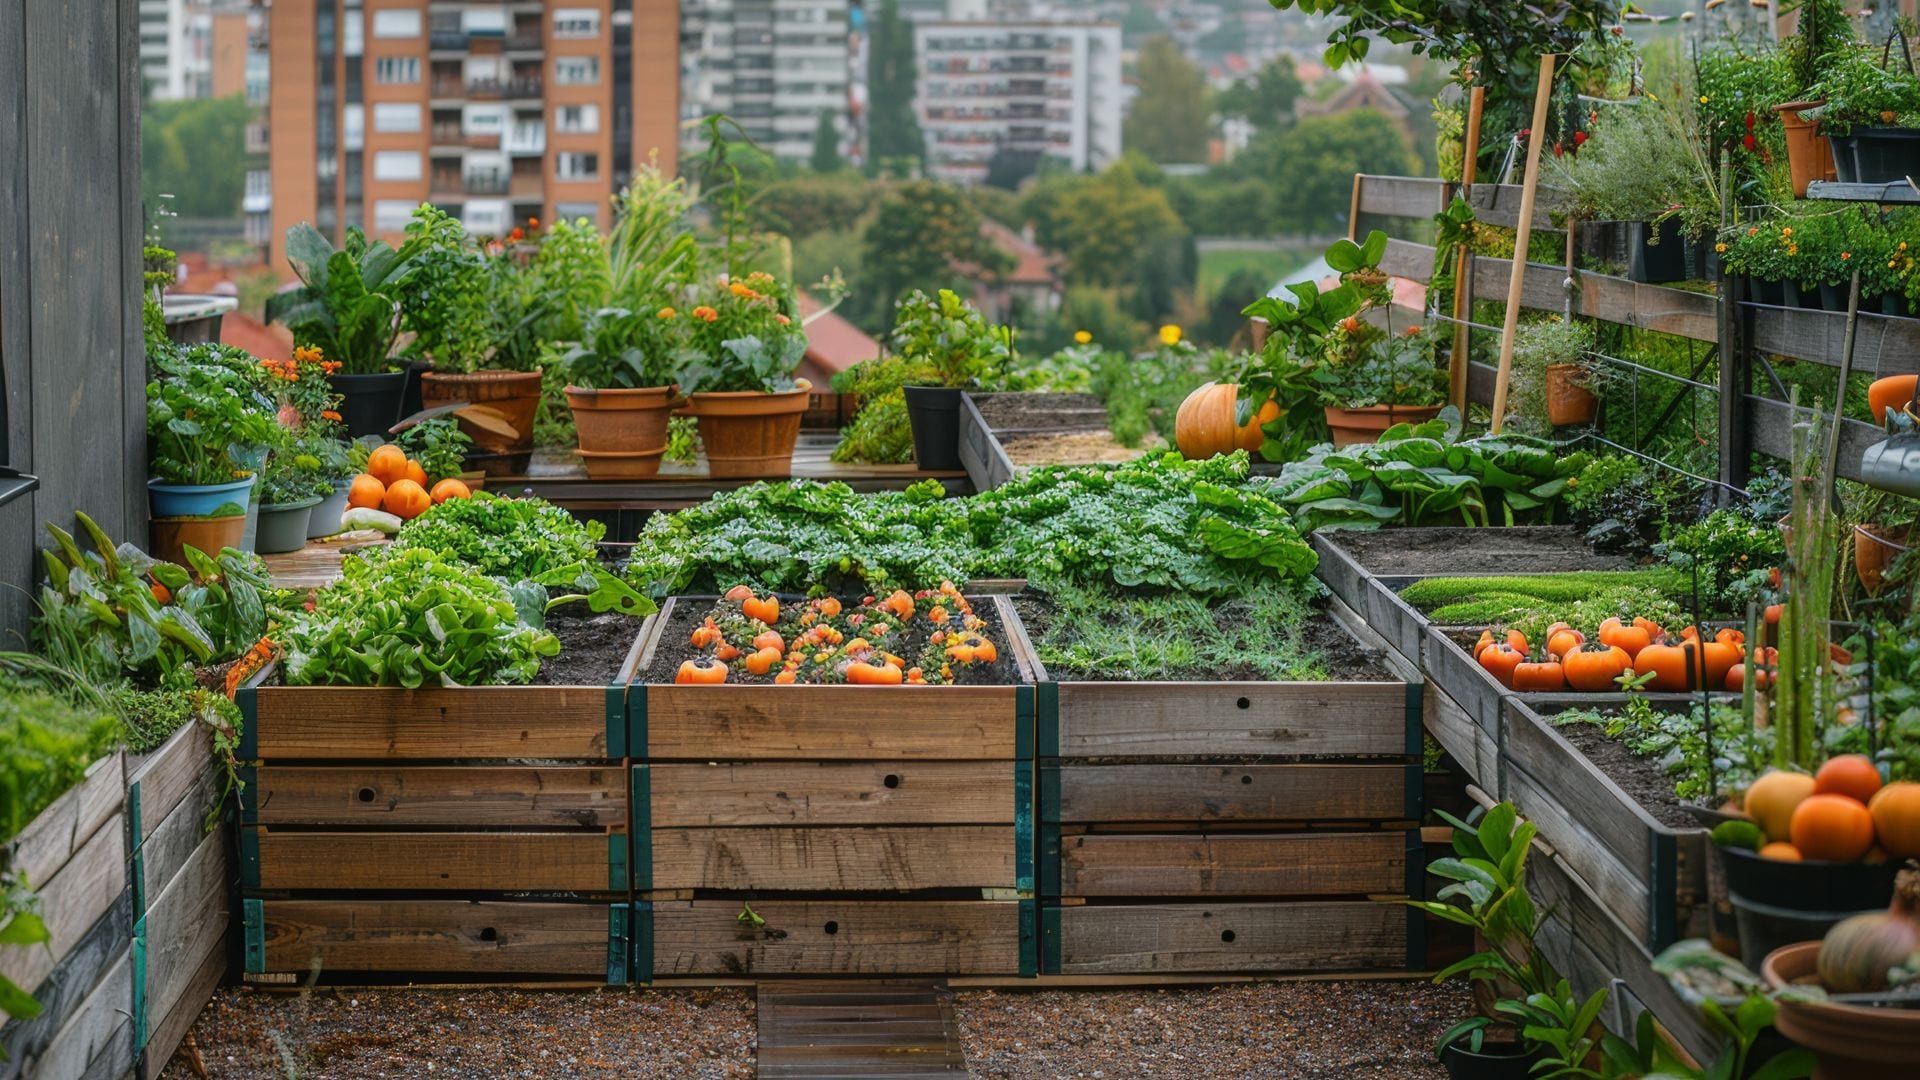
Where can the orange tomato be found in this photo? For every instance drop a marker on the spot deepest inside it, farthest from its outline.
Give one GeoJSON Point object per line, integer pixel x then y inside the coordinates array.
{"type": "Point", "coordinates": [387, 464]}
{"type": "Point", "coordinates": [1831, 827]}
{"type": "Point", "coordinates": [701, 672]}
{"type": "Point", "coordinates": [771, 639]}
{"type": "Point", "coordinates": [367, 491]}
{"type": "Point", "coordinates": [1675, 668]}
{"type": "Point", "coordinates": [861, 673]}
{"type": "Point", "coordinates": [762, 661]}
{"type": "Point", "coordinates": [1852, 775]}
{"type": "Point", "coordinates": [1539, 677]}
{"type": "Point", "coordinates": [738, 593]}
{"type": "Point", "coordinates": [1500, 660]}
{"type": "Point", "coordinates": [449, 489]}
{"type": "Point", "coordinates": [785, 678]}
{"type": "Point", "coordinates": [1594, 669]}
{"type": "Point", "coordinates": [827, 606]}
{"type": "Point", "coordinates": [1629, 639]}
{"type": "Point", "coordinates": [767, 610]}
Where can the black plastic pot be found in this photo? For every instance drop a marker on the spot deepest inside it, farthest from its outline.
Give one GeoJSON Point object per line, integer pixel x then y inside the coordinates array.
{"type": "Point", "coordinates": [1654, 263]}
{"type": "Point", "coordinates": [1770, 293]}
{"type": "Point", "coordinates": [1516, 1064]}
{"type": "Point", "coordinates": [370, 404]}
{"type": "Point", "coordinates": [1779, 903]}
{"type": "Point", "coordinates": [934, 413]}
{"type": "Point", "coordinates": [1881, 155]}
{"type": "Point", "coordinates": [1845, 170]}
{"type": "Point", "coordinates": [410, 397]}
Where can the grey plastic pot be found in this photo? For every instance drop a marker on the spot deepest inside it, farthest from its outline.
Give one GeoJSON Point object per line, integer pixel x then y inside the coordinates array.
{"type": "Point", "coordinates": [326, 516]}
{"type": "Point", "coordinates": [283, 526]}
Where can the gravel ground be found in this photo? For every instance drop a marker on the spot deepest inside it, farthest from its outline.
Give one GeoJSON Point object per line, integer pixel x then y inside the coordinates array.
{"type": "Point", "coordinates": [470, 1034]}
{"type": "Point", "coordinates": [1272, 1031]}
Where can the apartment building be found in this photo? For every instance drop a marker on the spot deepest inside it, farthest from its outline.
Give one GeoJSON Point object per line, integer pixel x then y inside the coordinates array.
{"type": "Point", "coordinates": [1047, 88]}
{"type": "Point", "coordinates": [771, 65]}
{"type": "Point", "coordinates": [496, 112]}
{"type": "Point", "coordinates": [176, 48]}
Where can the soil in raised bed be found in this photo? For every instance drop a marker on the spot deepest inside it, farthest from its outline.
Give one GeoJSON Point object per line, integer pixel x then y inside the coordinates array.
{"type": "Point", "coordinates": [592, 647]}
{"type": "Point", "coordinates": [1041, 412]}
{"type": "Point", "coordinates": [1640, 777]}
{"type": "Point", "coordinates": [674, 646]}
{"type": "Point", "coordinates": [1473, 552]}
{"type": "Point", "coordinates": [1077, 448]}
{"type": "Point", "coordinates": [1342, 657]}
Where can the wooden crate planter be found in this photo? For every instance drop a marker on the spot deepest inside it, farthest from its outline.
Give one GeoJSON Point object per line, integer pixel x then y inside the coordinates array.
{"type": "Point", "coordinates": [875, 830]}
{"type": "Point", "coordinates": [439, 831]}
{"type": "Point", "coordinates": [1228, 827]}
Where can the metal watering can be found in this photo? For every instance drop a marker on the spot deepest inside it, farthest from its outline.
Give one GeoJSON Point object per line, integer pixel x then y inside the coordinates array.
{"type": "Point", "coordinates": [1893, 463]}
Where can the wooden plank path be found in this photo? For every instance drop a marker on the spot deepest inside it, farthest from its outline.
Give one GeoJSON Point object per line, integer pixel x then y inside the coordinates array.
{"type": "Point", "coordinates": [875, 1032]}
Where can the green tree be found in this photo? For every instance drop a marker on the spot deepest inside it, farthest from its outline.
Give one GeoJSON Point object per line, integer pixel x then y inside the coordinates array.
{"type": "Point", "coordinates": [893, 132]}
{"type": "Point", "coordinates": [1224, 320]}
{"type": "Point", "coordinates": [814, 202]}
{"type": "Point", "coordinates": [1312, 166]}
{"type": "Point", "coordinates": [1265, 98]}
{"type": "Point", "coordinates": [1168, 118]}
{"type": "Point", "coordinates": [826, 145]}
{"type": "Point", "coordinates": [915, 238]}
{"type": "Point", "coordinates": [195, 151]}
{"type": "Point", "coordinates": [1102, 224]}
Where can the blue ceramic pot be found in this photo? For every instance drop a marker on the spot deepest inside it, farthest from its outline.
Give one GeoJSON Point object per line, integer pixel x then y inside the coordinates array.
{"type": "Point", "coordinates": [196, 500]}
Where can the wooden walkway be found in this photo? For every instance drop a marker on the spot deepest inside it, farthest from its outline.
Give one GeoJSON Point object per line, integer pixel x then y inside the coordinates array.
{"type": "Point", "coordinates": [857, 1032]}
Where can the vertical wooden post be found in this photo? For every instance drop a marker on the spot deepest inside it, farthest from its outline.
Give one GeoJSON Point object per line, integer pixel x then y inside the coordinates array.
{"type": "Point", "coordinates": [1523, 238]}
{"type": "Point", "coordinates": [1458, 363]}
{"type": "Point", "coordinates": [1735, 433]}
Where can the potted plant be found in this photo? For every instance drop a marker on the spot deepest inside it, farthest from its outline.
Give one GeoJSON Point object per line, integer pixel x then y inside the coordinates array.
{"type": "Point", "coordinates": [1824, 30]}
{"type": "Point", "coordinates": [621, 386]}
{"type": "Point", "coordinates": [1558, 356]}
{"type": "Point", "coordinates": [203, 403]}
{"type": "Point", "coordinates": [1642, 179]}
{"type": "Point", "coordinates": [293, 484]}
{"type": "Point", "coordinates": [307, 409]}
{"type": "Point", "coordinates": [743, 341]}
{"type": "Point", "coordinates": [1849, 996]}
{"type": "Point", "coordinates": [1372, 380]}
{"type": "Point", "coordinates": [1870, 115]}
{"type": "Point", "coordinates": [348, 307]}
{"type": "Point", "coordinates": [954, 349]}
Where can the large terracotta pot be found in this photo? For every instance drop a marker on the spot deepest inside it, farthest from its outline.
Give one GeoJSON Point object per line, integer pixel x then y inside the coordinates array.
{"type": "Point", "coordinates": [623, 433]}
{"type": "Point", "coordinates": [172, 536]}
{"type": "Point", "coordinates": [1853, 1042]}
{"type": "Point", "coordinates": [1568, 399]}
{"type": "Point", "coordinates": [503, 440]}
{"type": "Point", "coordinates": [1354, 426]}
{"type": "Point", "coordinates": [1875, 547]}
{"type": "Point", "coordinates": [749, 433]}
{"type": "Point", "coordinates": [1809, 157]}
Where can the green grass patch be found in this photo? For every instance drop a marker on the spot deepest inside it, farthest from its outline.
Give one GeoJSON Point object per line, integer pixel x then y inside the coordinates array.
{"type": "Point", "coordinates": [1529, 603]}
{"type": "Point", "coordinates": [1259, 632]}
{"type": "Point", "coordinates": [1219, 264]}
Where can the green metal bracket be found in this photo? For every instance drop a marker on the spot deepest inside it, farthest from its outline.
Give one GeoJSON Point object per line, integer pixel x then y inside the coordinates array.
{"type": "Point", "coordinates": [137, 861]}
{"type": "Point", "coordinates": [619, 945]}
{"type": "Point", "coordinates": [1416, 723]}
{"type": "Point", "coordinates": [1023, 736]}
{"type": "Point", "coordinates": [254, 914]}
{"type": "Point", "coordinates": [140, 985]}
{"type": "Point", "coordinates": [1029, 938]}
{"type": "Point", "coordinates": [250, 858]}
{"type": "Point", "coordinates": [248, 699]}
{"type": "Point", "coordinates": [640, 813]}
{"type": "Point", "coordinates": [1023, 831]}
{"type": "Point", "coordinates": [617, 850]}
{"type": "Point", "coordinates": [1047, 825]}
{"type": "Point", "coordinates": [1415, 796]}
{"type": "Point", "coordinates": [1416, 857]}
{"type": "Point", "coordinates": [637, 720]}
{"type": "Point", "coordinates": [1047, 719]}
{"type": "Point", "coordinates": [249, 778]}
{"type": "Point", "coordinates": [616, 721]}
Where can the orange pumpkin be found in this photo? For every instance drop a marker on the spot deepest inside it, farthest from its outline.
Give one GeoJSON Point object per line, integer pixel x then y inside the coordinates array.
{"type": "Point", "coordinates": [1773, 798]}
{"type": "Point", "coordinates": [1629, 639]}
{"type": "Point", "coordinates": [1563, 639]}
{"type": "Point", "coordinates": [701, 672]}
{"type": "Point", "coordinates": [762, 661]}
{"type": "Point", "coordinates": [1501, 660]}
{"type": "Point", "coordinates": [1539, 677]}
{"type": "Point", "coordinates": [1205, 423]}
{"type": "Point", "coordinates": [770, 639]}
{"type": "Point", "coordinates": [1516, 641]}
{"type": "Point", "coordinates": [1736, 679]}
{"type": "Point", "coordinates": [1896, 818]}
{"type": "Point", "coordinates": [1852, 775]}
{"type": "Point", "coordinates": [1594, 670]}
{"type": "Point", "coordinates": [406, 500]}
{"type": "Point", "coordinates": [1892, 392]}
{"type": "Point", "coordinates": [367, 491]}
{"type": "Point", "coordinates": [864, 674]}
{"type": "Point", "coordinates": [1675, 668]}
{"type": "Point", "coordinates": [1720, 657]}
{"type": "Point", "coordinates": [766, 610]}
{"type": "Point", "coordinates": [449, 489]}
{"type": "Point", "coordinates": [387, 463]}
{"type": "Point", "coordinates": [1831, 827]}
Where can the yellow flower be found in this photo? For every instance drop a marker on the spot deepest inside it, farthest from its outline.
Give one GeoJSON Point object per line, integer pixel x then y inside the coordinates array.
{"type": "Point", "coordinates": [306, 354]}
{"type": "Point", "coordinates": [1903, 245]}
{"type": "Point", "coordinates": [1082, 337]}
{"type": "Point", "coordinates": [667, 312]}
{"type": "Point", "coordinates": [1794, 250]}
{"type": "Point", "coordinates": [1704, 99]}
{"type": "Point", "coordinates": [1720, 248]}
{"type": "Point", "coordinates": [1169, 334]}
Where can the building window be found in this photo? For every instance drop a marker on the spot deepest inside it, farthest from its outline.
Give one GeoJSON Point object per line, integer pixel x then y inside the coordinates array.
{"type": "Point", "coordinates": [577, 166]}
{"type": "Point", "coordinates": [396, 118]}
{"type": "Point", "coordinates": [395, 70]}
{"type": "Point", "coordinates": [353, 127]}
{"type": "Point", "coordinates": [391, 215]}
{"type": "Point", "coordinates": [396, 23]}
{"type": "Point", "coordinates": [576, 70]}
{"type": "Point", "coordinates": [577, 119]}
{"type": "Point", "coordinates": [352, 35]}
{"type": "Point", "coordinates": [396, 165]}
{"type": "Point", "coordinates": [576, 23]}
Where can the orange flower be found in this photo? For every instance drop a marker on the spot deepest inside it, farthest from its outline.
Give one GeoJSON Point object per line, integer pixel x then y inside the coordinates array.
{"type": "Point", "coordinates": [307, 354]}
{"type": "Point", "coordinates": [533, 223]}
{"type": "Point", "coordinates": [667, 313]}
{"type": "Point", "coordinates": [329, 414]}
{"type": "Point", "coordinates": [517, 234]}
{"type": "Point", "coordinates": [329, 366]}
{"type": "Point", "coordinates": [783, 320]}
{"type": "Point", "coordinates": [739, 289]}
{"type": "Point", "coordinates": [705, 313]}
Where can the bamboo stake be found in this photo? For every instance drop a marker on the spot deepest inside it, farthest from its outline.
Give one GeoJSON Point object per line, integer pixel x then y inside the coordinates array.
{"type": "Point", "coordinates": [1523, 237]}
{"type": "Point", "coordinates": [1463, 264]}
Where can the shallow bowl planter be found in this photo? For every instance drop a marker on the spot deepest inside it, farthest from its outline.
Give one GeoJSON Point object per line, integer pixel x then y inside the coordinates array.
{"type": "Point", "coordinates": [370, 404]}
{"type": "Point", "coordinates": [622, 421]}
{"type": "Point", "coordinates": [1568, 399]}
{"type": "Point", "coordinates": [621, 465]}
{"type": "Point", "coordinates": [750, 433]}
{"type": "Point", "coordinates": [514, 399]}
{"type": "Point", "coordinates": [325, 518]}
{"type": "Point", "coordinates": [934, 414]}
{"type": "Point", "coordinates": [283, 526]}
{"type": "Point", "coordinates": [1853, 1042]}
{"type": "Point", "coordinates": [1363, 425]}
{"type": "Point", "coordinates": [195, 500]}
{"type": "Point", "coordinates": [173, 535]}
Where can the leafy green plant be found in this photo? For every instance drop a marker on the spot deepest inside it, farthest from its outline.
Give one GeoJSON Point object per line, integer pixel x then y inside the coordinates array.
{"type": "Point", "coordinates": [348, 305]}
{"type": "Point", "coordinates": [413, 617]}
{"type": "Point", "coordinates": [625, 350]}
{"type": "Point", "coordinates": [201, 405]}
{"type": "Point", "coordinates": [20, 925]}
{"type": "Point", "coordinates": [1863, 90]}
{"type": "Point", "coordinates": [1616, 501]}
{"type": "Point", "coordinates": [1096, 631]}
{"type": "Point", "coordinates": [148, 718]}
{"type": "Point", "coordinates": [1531, 602]}
{"type": "Point", "coordinates": [46, 745]}
{"type": "Point", "coordinates": [1389, 370]}
{"type": "Point", "coordinates": [742, 336]}
{"type": "Point", "coordinates": [438, 445]}
{"type": "Point", "coordinates": [514, 539]}
{"type": "Point", "coordinates": [1644, 161]}
{"type": "Point", "coordinates": [470, 305]}
{"type": "Point", "coordinates": [950, 341]}
{"type": "Point", "coordinates": [1678, 742]}
{"type": "Point", "coordinates": [1732, 553]}
{"type": "Point", "coordinates": [293, 474]}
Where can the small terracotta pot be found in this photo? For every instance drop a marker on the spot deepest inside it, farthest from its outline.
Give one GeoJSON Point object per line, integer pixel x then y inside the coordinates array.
{"type": "Point", "coordinates": [172, 536]}
{"type": "Point", "coordinates": [1853, 1042]}
{"type": "Point", "coordinates": [514, 396]}
{"type": "Point", "coordinates": [1351, 427]}
{"type": "Point", "coordinates": [1809, 157]}
{"type": "Point", "coordinates": [749, 433]}
{"type": "Point", "coordinates": [621, 464]}
{"type": "Point", "coordinates": [1875, 547]}
{"type": "Point", "coordinates": [622, 421]}
{"type": "Point", "coordinates": [1568, 399]}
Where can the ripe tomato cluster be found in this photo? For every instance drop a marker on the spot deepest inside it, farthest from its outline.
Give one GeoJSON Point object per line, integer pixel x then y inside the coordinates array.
{"type": "Point", "coordinates": [903, 638]}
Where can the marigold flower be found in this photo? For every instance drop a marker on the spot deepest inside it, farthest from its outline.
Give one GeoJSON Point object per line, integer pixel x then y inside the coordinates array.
{"type": "Point", "coordinates": [1082, 337]}
{"type": "Point", "coordinates": [740, 289]}
{"type": "Point", "coordinates": [783, 320]}
{"type": "Point", "coordinates": [1786, 230]}
{"type": "Point", "coordinates": [705, 313]}
{"type": "Point", "coordinates": [667, 312]}
{"type": "Point", "coordinates": [1720, 248]}
{"type": "Point", "coordinates": [1170, 334]}
{"type": "Point", "coordinates": [307, 354]}
{"type": "Point", "coordinates": [1845, 255]}
{"type": "Point", "coordinates": [329, 414]}
{"type": "Point", "coordinates": [517, 234]}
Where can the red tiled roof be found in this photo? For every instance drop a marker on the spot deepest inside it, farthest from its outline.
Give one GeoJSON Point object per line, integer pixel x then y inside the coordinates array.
{"type": "Point", "coordinates": [833, 343]}
{"type": "Point", "coordinates": [245, 331]}
{"type": "Point", "coordinates": [1033, 264]}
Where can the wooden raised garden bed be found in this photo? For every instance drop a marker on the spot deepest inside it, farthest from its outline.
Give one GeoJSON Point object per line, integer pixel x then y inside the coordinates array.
{"type": "Point", "coordinates": [478, 831]}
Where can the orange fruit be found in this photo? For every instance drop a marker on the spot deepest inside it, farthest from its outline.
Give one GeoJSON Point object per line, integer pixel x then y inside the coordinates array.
{"type": "Point", "coordinates": [1832, 827]}
{"type": "Point", "coordinates": [1780, 853]}
{"type": "Point", "coordinates": [1772, 799]}
{"type": "Point", "coordinates": [415, 473]}
{"type": "Point", "coordinates": [366, 491]}
{"type": "Point", "coordinates": [387, 464]}
{"type": "Point", "coordinates": [450, 489]}
{"type": "Point", "coordinates": [406, 500]}
{"type": "Point", "coordinates": [1852, 775]}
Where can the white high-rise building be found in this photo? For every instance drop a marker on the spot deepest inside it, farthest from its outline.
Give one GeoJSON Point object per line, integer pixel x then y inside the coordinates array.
{"type": "Point", "coordinates": [771, 65]}
{"type": "Point", "coordinates": [176, 48]}
{"type": "Point", "coordinates": [1051, 89]}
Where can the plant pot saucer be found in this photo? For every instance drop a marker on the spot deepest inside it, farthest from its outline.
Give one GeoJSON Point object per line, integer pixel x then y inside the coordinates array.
{"type": "Point", "coordinates": [621, 465]}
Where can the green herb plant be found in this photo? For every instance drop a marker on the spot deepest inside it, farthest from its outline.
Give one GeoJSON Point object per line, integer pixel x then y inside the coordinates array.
{"type": "Point", "coordinates": [201, 406]}
{"type": "Point", "coordinates": [438, 445]}
{"type": "Point", "coordinates": [512, 539]}
{"type": "Point", "coordinates": [348, 305]}
{"type": "Point", "coordinates": [1098, 632]}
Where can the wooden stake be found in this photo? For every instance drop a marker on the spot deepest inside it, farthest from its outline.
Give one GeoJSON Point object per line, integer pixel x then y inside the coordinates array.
{"type": "Point", "coordinates": [1523, 237]}
{"type": "Point", "coordinates": [1463, 263]}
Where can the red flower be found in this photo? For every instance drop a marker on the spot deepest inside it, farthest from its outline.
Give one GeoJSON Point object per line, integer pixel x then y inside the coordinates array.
{"type": "Point", "coordinates": [1579, 138]}
{"type": "Point", "coordinates": [1749, 141]}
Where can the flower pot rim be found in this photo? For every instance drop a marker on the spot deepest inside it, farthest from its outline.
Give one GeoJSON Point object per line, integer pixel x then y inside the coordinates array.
{"type": "Point", "coordinates": [298, 504]}
{"type": "Point", "coordinates": [1376, 410]}
{"type": "Point", "coordinates": [197, 519]}
{"type": "Point", "coordinates": [671, 389]}
{"type": "Point", "coordinates": [610, 455]}
{"type": "Point", "coordinates": [396, 373]}
{"type": "Point", "coordinates": [485, 375]}
{"type": "Point", "coordinates": [1796, 106]}
{"type": "Point", "coordinates": [1866, 529]}
{"type": "Point", "coordinates": [801, 386]}
{"type": "Point", "coordinates": [169, 487]}
{"type": "Point", "coordinates": [1804, 955]}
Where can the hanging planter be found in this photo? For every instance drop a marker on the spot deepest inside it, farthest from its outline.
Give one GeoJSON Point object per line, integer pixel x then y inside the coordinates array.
{"type": "Point", "coordinates": [1569, 401]}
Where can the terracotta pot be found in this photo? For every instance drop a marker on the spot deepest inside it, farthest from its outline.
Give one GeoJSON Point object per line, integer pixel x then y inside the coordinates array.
{"type": "Point", "coordinates": [1853, 1042]}
{"type": "Point", "coordinates": [1568, 399]}
{"type": "Point", "coordinates": [749, 433]}
{"type": "Point", "coordinates": [622, 421]}
{"type": "Point", "coordinates": [1875, 547]}
{"type": "Point", "coordinates": [1354, 426]}
{"type": "Point", "coordinates": [622, 464]}
{"type": "Point", "coordinates": [1809, 157]}
{"type": "Point", "coordinates": [512, 399]}
{"type": "Point", "coordinates": [172, 536]}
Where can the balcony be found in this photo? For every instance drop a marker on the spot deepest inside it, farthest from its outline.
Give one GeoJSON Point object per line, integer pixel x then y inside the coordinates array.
{"type": "Point", "coordinates": [526, 139]}
{"type": "Point", "coordinates": [524, 186]}
{"type": "Point", "coordinates": [525, 41]}
{"type": "Point", "coordinates": [447, 41]}
{"type": "Point", "coordinates": [488, 183]}
{"type": "Point", "coordinates": [448, 135]}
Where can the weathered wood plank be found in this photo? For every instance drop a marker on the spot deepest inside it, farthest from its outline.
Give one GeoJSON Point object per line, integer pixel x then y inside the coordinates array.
{"type": "Point", "coordinates": [185, 924]}
{"type": "Point", "coordinates": [1406, 259]}
{"type": "Point", "coordinates": [1400, 196]}
{"type": "Point", "coordinates": [981, 454]}
{"type": "Point", "coordinates": [882, 1031]}
{"type": "Point", "coordinates": [173, 838]}
{"type": "Point", "coordinates": [1770, 424]}
{"type": "Point", "coordinates": [1499, 204]}
{"type": "Point", "coordinates": [1884, 345]}
{"type": "Point", "coordinates": [1292, 864]}
{"type": "Point", "coordinates": [62, 993]}
{"type": "Point", "coordinates": [1384, 612]}
{"type": "Point", "coordinates": [166, 1030]}
{"type": "Point", "coordinates": [71, 902]}
{"type": "Point", "coordinates": [1621, 888]}
{"type": "Point", "coordinates": [435, 936]}
{"type": "Point", "coordinates": [1449, 667]}
{"type": "Point", "coordinates": [325, 723]}
{"type": "Point", "coordinates": [57, 833]}
{"type": "Point", "coordinates": [1160, 719]}
{"type": "Point", "coordinates": [97, 1042]}
{"type": "Point", "coordinates": [843, 859]}
{"type": "Point", "coordinates": [1475, 751]}
{"type": "Point", "coordinates": [832, 793]}
{"type": "Point", "coordinates": [169, 774]}
{"type": "Point", "coordinates": [1593, 804]}
{"type": "Point", "coordinates": [480, 861]}
{"type": "Point", "coordinates": [841, 723]}
{"type": "Point", "coordinates": [1312, 936]}
{"type": "Point", "coordinates": [592, 796]}
{"type": "Point", "coordinates": [829, 937]}
{"type": "Point", "coordinates": [1207, 793]}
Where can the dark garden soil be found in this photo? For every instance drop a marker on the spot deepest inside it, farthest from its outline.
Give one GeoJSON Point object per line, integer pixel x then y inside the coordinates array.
{"type": "Point", "coordinates": [674, 646]}
{"type": "Point", "coordinates": [1343, 658]}
{"type": "Point", "coordinates": [1640, 777]}
{"type": "Point", "coordinates": [592, 647]}
{"type": "Point", "coordinates": [1006, 413]}
{"type": "Point", "coordinates": [1473, 552]}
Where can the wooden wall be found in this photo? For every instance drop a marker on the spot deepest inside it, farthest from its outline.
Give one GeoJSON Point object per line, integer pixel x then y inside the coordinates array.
{"type": "Point", "coordinates": [70, 239]}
